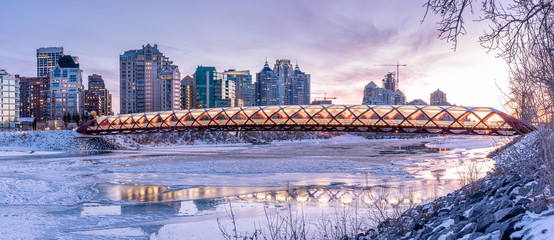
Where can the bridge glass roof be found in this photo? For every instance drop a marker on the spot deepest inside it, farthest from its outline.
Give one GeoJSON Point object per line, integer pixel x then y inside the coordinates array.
{"type": "Point", "coordinates": [369, 118]}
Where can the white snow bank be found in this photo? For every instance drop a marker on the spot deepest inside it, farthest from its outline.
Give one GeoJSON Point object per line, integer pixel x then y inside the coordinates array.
{"type": "Point", "coordinates": [43, 140]}
{"type": "Point", "coordinates": [35, 191]}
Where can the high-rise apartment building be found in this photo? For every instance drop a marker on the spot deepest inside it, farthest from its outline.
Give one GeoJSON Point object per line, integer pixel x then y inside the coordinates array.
{"type": "Point", "coordinates": [204, 78]}
{"type": "Point", "coordinates": [266, 89]}
{"type": "Point", "coordinates": [283, 69]}
{"type": "Point", "coordinates": [92, 104]}
{"type": "Point", "coordinates": [9, 101]}
{"type": "Point", "coordinates": [188, 93]}
{"type": "Point", "coordinates": [170, 80]}
{"type": "Point", "coordinates": [282, 85]}
{"type": "Point", "coordinates": [390, 82]}
{"type": "Point", "coordinates": [97, 97]}
{"type": "Point", "coordinates": [244, 89]}
{"type": "Point", "coordinates": [213, 89]}
{"type": "Point", "coordinates": [297, 88]}
{"type": "Point", "coordinates": [224, 91]}
{"type": "Point", "coordinates": [374, 95]}
{"type": "Point", "coordinates": [438, 98]}
{"type": "Point", "coordinates": [66, 86]}
{"type": "Point", "coordinates": [399, 98]}
{"type": "Point", "coordinates": [141, 87]}
{"type": "Point", "coordinates": [389, 94]}
{"type": "Point", "coordinates": [47, 59]}
{"type": "Point", "coordinates": [35, 95]}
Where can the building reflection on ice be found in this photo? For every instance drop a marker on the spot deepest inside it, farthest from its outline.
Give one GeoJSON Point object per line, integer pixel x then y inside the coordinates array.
{"type": "Point", "coordinates": [140, 193]}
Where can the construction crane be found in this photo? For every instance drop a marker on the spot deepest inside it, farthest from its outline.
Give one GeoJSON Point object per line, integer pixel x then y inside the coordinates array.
{"type": "Point", "coordinates": [323, 100]}
{"type": "Point", "coordinates": [398, 65]}
{"type": "Point", "coordinates": [325, 97]}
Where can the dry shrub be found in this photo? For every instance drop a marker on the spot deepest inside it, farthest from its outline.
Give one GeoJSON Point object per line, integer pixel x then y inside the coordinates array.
{"type": "Point", "coordinates": [469, 176]}
{"type": "Point", "coordinates": [290, 225]}
{"type": "Point", "coordinates": [348, 220]}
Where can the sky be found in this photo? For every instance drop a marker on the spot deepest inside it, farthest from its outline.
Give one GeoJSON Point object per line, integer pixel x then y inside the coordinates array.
{"type": "Point", "coordinates": [338, 42]}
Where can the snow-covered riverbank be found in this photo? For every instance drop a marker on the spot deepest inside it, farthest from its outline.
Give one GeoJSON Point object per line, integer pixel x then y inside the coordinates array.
{"type": "Point", "coordinates": [506, 204]}
{"type": "Point", "coordinates": [71, 141]}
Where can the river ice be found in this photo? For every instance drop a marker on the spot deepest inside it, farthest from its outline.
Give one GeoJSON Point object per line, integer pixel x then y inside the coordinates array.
{"type": "Point", "coordinates": [179, 192]}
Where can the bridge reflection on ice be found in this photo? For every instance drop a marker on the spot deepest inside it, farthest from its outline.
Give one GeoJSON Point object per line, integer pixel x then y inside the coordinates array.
{"type": "Point", "coordinates": [414, 193]}
{"type": "Point", "coordinates": [198, 203]}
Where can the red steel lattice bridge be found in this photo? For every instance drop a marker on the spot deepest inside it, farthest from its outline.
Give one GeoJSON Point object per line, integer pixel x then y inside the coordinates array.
{"type": "Point", "coordinates": [353, 118]}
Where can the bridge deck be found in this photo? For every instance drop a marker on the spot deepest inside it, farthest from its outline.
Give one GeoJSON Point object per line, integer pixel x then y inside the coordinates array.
{"type": "Point", "coordinates": [359, 118]}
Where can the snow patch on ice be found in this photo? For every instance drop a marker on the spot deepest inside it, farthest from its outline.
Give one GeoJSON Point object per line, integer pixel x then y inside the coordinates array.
{"type": "Point", "coordinates": [121, 232]}
{"type": "Point", "coordinates": [30, 191]}
{"type": "Point", "coordinates": [465, 142]}
{"type": "Point", "coordinates": [16, 152]}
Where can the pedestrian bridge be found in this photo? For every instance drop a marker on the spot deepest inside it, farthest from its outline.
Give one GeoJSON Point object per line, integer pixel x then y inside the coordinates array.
{"type": "Point", "coordinates": [352, 118]}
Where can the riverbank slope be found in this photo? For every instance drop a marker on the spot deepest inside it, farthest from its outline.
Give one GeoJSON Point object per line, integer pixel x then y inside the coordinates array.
{"type": "Point", "coordinates": [512, 202]}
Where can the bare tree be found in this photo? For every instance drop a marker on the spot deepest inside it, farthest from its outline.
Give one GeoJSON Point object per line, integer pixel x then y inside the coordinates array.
{"type": "Point", "coordinates": [531, 93]}
{"type": "Point", "coordinates": [521, 31]}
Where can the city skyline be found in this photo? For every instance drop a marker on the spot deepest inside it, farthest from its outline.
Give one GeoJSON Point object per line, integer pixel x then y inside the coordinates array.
{"type": "Point", "coordinates": [338, 44]}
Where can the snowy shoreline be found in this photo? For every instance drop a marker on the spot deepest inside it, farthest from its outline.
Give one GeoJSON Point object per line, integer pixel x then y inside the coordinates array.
{"type": "Point", "coordinates": [502, 205]}
{"type": "Point", "coordinates": [66, 140]}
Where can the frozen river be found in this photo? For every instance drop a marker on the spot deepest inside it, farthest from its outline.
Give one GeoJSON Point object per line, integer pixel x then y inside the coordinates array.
{"type": "Point", "coordinates": [180, 192]}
